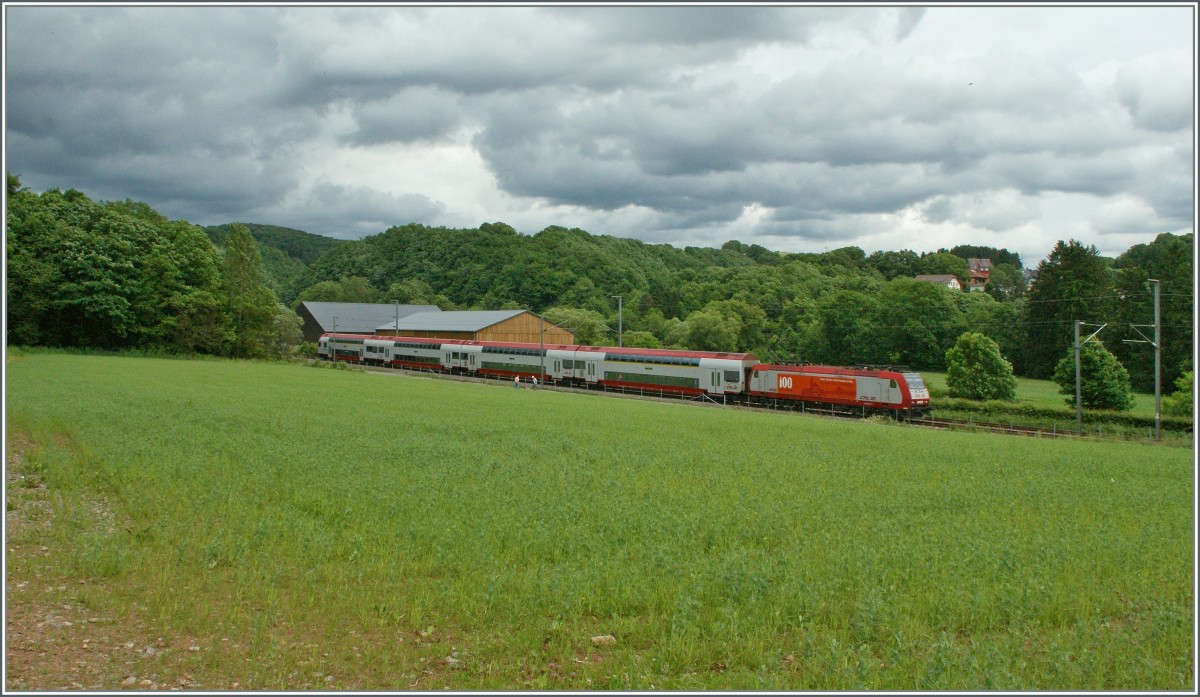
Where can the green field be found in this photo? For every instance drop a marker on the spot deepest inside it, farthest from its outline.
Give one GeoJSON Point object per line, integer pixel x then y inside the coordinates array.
{"type": "Point", "coordinates": [1044, 393]}
{"type": "Point", "coordinates": [351, 530]}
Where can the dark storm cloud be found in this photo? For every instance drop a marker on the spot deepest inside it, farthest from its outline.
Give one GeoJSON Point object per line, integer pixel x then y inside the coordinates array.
{"type": "Point", "coordinates": [692, 25]}
{"type": "Point", "coordinates": [172, 116]}
{"type": "Point", "coordinates": [414, 114]}
{"type": "Point", "coordinates": [349, 212]}
{"type": "Point", "coordinates": [685, 116]}
{"type": "Point", "coordinates": [843, 143]}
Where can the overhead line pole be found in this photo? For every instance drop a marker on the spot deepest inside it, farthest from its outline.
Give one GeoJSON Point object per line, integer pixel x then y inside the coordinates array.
{"type": "Point", "coordinates": [620, 321]}
{"type": "Point", "coordinates": [331, 356]}
{"type": "Point", "coordinates": [1078, 381]}
{"type": "Point", "coordinates": [1079, 391]}
{"type": "Point", "coordinates": [1157, 344]}
{"type": "Point", "coordinates": [1157, 364]}
{"type": "Point", "coordinates": [542, 341]}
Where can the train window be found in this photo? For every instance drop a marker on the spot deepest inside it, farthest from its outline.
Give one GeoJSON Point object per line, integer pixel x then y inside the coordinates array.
{"type": "Point", "coordinates": [892, 384]}
{"type": "Point", "coordinates": [733, 375]}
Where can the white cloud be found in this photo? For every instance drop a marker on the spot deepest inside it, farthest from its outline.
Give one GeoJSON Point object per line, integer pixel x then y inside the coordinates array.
{"type": "Point", "coordinates": [794, 127]}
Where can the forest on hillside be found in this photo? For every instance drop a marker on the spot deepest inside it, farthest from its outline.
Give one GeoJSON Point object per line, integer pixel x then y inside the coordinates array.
{"type": "Point", "coordinates": [120, 275]}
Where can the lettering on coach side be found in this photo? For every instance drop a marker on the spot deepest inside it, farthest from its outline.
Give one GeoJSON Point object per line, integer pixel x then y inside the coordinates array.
{"type": "Point", "coordinates": [785, 382]}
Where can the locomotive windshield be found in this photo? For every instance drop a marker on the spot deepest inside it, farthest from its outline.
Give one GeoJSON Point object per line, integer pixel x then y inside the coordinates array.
{"type": "Point", "coordinates": [916, 387]}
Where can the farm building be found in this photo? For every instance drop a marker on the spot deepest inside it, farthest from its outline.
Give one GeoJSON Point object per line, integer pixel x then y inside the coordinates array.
{"type": "Point", "coordinates": [947, 279]}
{"type": "Point", "coordinates": [479, 325]}
{"type": "Point", "coordinates": [353, 318]}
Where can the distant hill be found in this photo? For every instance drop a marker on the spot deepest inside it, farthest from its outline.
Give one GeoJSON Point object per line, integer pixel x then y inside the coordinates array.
{"type": "Point", "coordinates": [300, 245]}
{"type": "Point", "coordinates": [286, 253]}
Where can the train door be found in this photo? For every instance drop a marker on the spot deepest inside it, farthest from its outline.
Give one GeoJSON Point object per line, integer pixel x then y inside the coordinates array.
{"type": "Point", "coordinates": [573, 368]}
{"type": "Point", "coordinates": [556, 367]}
{"type": "Point", "coordinates": [889, 391]}
{"type": "Point", "coordinates": [869, 389]}
{"type": "Point", "coordinates": [715, 383]}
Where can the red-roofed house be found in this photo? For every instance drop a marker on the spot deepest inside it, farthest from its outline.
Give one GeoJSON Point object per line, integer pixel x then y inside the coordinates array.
{"type": "Point", "coordinates": [979, 270]}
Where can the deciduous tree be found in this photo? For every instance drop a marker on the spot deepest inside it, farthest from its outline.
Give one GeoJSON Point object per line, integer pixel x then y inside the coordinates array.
{"type": "Point", "coordinates": [1180, 403]}
{"type": "Point", "coordinates": [945, 263]}
{"type": "Point", "coordinates": [251, 302]}
{"type": "Point", "coordinates": [975, 369]}
{"type": "Point", "coordinates": [1104, 382]}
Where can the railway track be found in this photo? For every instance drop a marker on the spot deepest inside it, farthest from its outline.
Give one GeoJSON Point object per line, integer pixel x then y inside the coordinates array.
{"type": "Point", "coordinates": [1009, 429]}
{"type": "Point", "coordinates": [927, 422]}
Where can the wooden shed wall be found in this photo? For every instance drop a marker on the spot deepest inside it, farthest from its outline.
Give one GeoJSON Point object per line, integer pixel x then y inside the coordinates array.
{"type": "Point", "coordinates": [524, 328]}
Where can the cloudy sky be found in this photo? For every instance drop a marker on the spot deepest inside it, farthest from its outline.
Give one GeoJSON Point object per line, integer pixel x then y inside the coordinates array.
{"type": "Point", "coordinates": [800, 128]}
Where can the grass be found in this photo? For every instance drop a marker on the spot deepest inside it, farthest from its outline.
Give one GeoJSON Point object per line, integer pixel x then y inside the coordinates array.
{"type": "Point", "coordinates": [399, 532]}
{"type": "Point", "coordinates": [1045, 394]}
{"type": "Point", "coordinates": [1053, 413]}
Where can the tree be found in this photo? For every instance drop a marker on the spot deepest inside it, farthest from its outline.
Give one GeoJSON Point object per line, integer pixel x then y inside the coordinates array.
{"type": "Point", "coordinates": [675, 333]}
{"type": "Point", "coordinates": [14, 184]}
{"type": "Point", "coordinates": [1073, 283]}
{"type": "Point", "coordinates": [1180, 403]}
{"type": "Point", "coordinates": [750, 321]}
{"type": "Point", "coordinates": [916, 323]}
{"type": "Point", "coordinates": [975, 369]}
{"type": "Point", "coordinates": [417, 292]}
{"type": "Point", "coordinates": [640, 339]}
{"type": "Point", "coordinates": [1104, 382]}
{"type": "Point", "coordinates": [588, 325]}
{"type": "Point", "coordinates": [946, 263]}
{"type": "Point", "coordinates": [252, 305]}
{"type": "Point", "coordinates": [708, 330]}
{"type": "Point", "coordinates": [289, 332]}
{"type": "Point", "coordinates": [1167, 259]}
{"type": "Point", "coordinates": [1005, 282]}
{"type": "Point", "coordinates": [999, 321]}
{"type": "Point", "coordinates": [997, 255]}
{"type": "Point", "coordinates": [847, 335]}
{"type": "Point", "coordinates": [904, 263]}
{"type": "Point", "coordinates": [202, 324]}
{"type": "Point", "coordinates": [111, 275]}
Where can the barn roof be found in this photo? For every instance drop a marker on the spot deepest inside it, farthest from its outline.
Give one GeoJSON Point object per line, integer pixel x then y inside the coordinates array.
{"type": "Point", "coordinates": [450, 321]}
{"type": "Point", "coordinates": [360, 318]}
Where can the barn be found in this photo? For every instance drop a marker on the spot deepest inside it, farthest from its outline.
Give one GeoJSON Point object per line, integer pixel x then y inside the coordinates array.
{"type": "Point", "coordinates": [520, 326]}
{"type": "Point", "coordinates": [352, 318]}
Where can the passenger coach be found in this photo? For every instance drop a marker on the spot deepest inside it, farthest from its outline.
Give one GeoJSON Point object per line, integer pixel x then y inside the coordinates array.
{"type": "Point", "coordinates": [685, 372]}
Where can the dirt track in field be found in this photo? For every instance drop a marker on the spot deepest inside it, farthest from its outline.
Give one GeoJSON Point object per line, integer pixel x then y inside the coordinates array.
{"type": "Point", "coordinates": [53, 640]}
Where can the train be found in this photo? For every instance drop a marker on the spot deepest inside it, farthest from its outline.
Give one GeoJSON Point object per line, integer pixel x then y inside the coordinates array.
{"type": "Point", "coordinates": [726, 377]}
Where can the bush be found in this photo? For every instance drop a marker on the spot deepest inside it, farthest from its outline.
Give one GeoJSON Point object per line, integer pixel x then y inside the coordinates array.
{"type": "Point", "coordinates": [1104, 382]}
{"type": "Point", "coordinates": [1181, 402]}
{"type": "Point", "coordinates": [975, 369]}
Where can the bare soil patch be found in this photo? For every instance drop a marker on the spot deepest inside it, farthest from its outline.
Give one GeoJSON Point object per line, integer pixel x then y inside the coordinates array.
{"type": "Point", "coordinates": [56, 638]}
